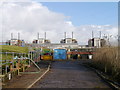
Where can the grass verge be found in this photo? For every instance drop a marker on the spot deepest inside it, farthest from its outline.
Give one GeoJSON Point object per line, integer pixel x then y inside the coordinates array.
{"type": "Point", "coordinates": [107, 60]}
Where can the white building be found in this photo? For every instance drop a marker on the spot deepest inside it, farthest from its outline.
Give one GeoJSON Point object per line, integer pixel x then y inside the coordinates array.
{"type": "Point", "coordinates": [41, 41]}
{"type": "Point", "coordinates": [13, 41]}
{"type": "Point", "coordinates": [16, 42]}
{"type": "Point", "coordinates": [96, 42]}
{"type": "Point", "coordinates": [68, 40]}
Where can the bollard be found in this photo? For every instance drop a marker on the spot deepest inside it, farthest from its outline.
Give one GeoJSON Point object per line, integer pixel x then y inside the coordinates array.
{"type": "Point", "coordinates": [9, 76]}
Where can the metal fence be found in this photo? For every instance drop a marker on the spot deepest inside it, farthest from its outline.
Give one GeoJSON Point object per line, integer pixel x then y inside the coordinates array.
{"type": "Point", "coordinates": [12, 61]}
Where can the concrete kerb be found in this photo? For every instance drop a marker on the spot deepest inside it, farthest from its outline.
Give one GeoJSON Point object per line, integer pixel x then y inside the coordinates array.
{"type": "Point", "coordinates": [39, 77]}
{"type": "Point", "coordinates": [111, 83]}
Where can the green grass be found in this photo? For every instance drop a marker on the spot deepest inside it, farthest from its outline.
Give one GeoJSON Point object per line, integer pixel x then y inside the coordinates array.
{"type": "Point", "coordinates": [17, 49]}
{"type": "Point", "coordinates": [46, 50]}
{"type": "Point", "coordinates": [9, 57]}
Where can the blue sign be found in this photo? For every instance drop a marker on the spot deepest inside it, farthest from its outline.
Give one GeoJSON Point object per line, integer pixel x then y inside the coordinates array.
{"type": "Point", "coordinates": [59, 54]}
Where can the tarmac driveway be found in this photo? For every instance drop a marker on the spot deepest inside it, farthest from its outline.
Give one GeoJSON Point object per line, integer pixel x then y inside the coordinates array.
{"type": "Point", "coordinates": [70, 74]}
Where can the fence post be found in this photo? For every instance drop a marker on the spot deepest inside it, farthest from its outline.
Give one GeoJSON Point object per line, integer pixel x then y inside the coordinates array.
{"type": "Point", "coordinates": [18, 66]}
{"type": "Point", "coordinates": [11, 64]}
{"type": "Point", "coordinates": [29, 58]}
{"type": "Point", "coordinates": [6, 65]}
{"type": "Point", "coordinates": [23, 63]}
{"type": "Point", "coordinates": [13, 59]}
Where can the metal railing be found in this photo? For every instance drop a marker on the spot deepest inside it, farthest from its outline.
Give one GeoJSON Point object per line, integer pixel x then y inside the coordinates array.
{"type": "Point", "coordinates": [13, 60]}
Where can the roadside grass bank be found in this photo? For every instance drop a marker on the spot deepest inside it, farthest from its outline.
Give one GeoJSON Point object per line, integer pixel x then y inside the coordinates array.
{"type": "Point", "coordinates": [107, 61]}
{"type": "Point", "coordinates": [10, 48]}
{"type": "Point", "coordinates": [17, 49]}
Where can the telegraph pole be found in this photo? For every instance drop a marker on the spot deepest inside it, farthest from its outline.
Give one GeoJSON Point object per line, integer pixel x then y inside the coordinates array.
{"type": "Point", "coordinates": [45, 35]}
{"type": "Point", "coordinates": [38, 35]}
{"type": "Point", "coordinates": [11, 36]}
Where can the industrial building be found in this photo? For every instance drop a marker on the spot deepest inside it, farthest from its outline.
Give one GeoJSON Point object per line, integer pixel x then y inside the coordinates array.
{"type": "Point", "coordinates": [64, 43]}
{"type": "Point", "coordinates": [96, 42]}
{"type": "Point", "coordinates": [41, 40]}
{"type": "Point", "coordinates": [68, 40]}
{"type": "Point", "coordinates": [16, 42]}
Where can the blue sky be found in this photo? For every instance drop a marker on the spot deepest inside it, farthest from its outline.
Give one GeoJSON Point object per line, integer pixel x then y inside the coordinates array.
{"type": "Point", "coordinates": [87, 13]}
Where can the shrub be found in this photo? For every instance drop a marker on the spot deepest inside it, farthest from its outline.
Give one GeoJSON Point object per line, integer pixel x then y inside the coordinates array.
{"type": "Point", "coordinates": [107, 60]}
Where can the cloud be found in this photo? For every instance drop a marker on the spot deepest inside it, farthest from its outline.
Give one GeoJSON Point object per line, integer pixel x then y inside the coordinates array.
{"type": "Point", "coordinates": [84, 32]}
{"type": "Point", "coordinates": [28, 18]}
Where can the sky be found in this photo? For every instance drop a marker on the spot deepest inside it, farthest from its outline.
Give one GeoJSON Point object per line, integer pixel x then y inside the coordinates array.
{"type": "Point", "coordinates": [55, 18]}
{"type": "Point", "coordinates": [86, 13]}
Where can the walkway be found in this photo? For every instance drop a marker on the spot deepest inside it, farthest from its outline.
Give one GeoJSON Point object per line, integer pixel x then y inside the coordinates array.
{"type": "Point", "coordinates": [70, 74]}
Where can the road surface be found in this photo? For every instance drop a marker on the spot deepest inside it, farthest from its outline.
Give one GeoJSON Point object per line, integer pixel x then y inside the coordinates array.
{"type": "Point", "coordinates": [70, 74]}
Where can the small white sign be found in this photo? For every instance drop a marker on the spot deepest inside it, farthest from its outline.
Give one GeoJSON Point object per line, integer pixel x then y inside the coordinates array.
{"type": "Point", "coordinates": [9, 76]}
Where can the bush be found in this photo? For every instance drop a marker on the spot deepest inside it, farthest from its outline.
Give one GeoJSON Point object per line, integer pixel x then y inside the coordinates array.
{"type": "Point", "coordinates": [107, 60]}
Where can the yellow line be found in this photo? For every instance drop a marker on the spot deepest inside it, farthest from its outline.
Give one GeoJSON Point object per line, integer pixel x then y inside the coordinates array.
{"type": "Point", "coordinates": [39, 77]}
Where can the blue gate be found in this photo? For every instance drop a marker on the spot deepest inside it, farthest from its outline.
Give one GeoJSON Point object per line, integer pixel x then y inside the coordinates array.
{"type": "Point", "coordinates": [59, 54]}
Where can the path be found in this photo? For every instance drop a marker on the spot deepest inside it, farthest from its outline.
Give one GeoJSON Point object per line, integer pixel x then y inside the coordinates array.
{"type": "Point", "coordinates": [70, 74]}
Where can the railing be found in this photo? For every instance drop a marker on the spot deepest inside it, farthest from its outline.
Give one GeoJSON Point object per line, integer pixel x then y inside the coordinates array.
{"type": "Point", "coordinates": [12, 61]}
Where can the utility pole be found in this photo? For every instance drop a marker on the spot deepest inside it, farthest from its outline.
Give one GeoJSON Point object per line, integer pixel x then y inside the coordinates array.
{"type": "Point", "coordinates": [45, 35]}
{"type": "Point", "coordinates": [38, 35]}
{"type": "Point", "coordinates": [11, 36]}
{"type": "Point", "coordinates": [65, 36]}
{"type": "Point", "coordinates": [72, 37]}
{"type": "Point", "coordinates": [92, 40]}
{"type": "Point", "coordinates": [92, 34]}
{"type": "Point", "coordinates": [18, 36]}
{"type": "Point", "coordinates": [100, 34]}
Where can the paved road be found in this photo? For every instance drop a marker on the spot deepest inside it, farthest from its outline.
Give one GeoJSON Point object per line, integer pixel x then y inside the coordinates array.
{"type": "Point", "coordinates": [70, 74]}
